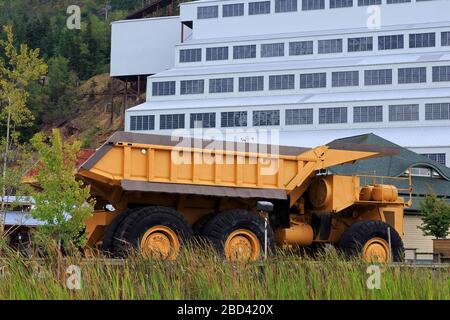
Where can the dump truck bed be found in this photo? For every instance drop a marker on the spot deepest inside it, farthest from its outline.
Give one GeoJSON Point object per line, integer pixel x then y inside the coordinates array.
{"type": "Point", "coordinates": [132, 162]}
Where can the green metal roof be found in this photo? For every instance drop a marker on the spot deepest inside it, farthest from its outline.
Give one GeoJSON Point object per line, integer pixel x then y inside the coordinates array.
{"type": "Point", "coordinates": [395, 166]}
{"type": "Point", "coordinates": [392, 166]}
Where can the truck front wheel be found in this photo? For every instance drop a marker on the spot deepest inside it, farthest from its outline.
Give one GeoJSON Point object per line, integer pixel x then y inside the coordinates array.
{"type": "Point", "coordinates": [239, 234]}
{"type": "Point", "coordinates": [156, 232]}
{"type": "Point", "coordinates": [370, 240]}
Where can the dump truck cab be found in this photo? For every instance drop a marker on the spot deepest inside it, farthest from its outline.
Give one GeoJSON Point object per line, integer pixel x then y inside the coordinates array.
{"type": "Point", "coordinates": [166, 192]}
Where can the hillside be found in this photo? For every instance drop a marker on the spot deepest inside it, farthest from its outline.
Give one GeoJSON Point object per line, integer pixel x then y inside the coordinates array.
{"type": "Point", "coordinates": [91, 123]}
{"type": "Point", "coordinates": [75, 93]}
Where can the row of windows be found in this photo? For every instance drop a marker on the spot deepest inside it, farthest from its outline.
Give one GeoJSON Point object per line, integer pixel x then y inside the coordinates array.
{"type": "Point", "coordinates": [438, 157]}
{"type": "Point", "coordinates": [297, 48]}
{"type": "Point", "coordinates": [263, 7]}
{"type": "Point", "coordinates": [307, 81]}
{"type": "Point", "coordinates": [361, 114]}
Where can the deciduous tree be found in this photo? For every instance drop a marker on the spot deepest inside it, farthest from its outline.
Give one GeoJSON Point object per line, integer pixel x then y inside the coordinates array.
{"type": "Point", "coordinates": [18, 68]}
{"type": "Point", "coordinates": [63, 203]}
{"type": "Point", "coordinates": [435, 217]}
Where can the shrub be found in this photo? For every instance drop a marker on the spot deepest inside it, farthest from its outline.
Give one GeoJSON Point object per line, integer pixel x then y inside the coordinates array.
{"type": "Point", "coordinates": [435, 217]}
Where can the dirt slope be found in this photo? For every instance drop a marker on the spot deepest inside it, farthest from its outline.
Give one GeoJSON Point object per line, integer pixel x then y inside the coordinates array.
{"type": "Point", "coordinates": [92, 125]}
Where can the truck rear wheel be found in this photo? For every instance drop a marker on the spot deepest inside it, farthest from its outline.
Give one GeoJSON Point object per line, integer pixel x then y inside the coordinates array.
{"type": "Point", "coordinates": [108, 237]}
{"type": "Point", "coordinates": [238, 234]}
{"type": "Point", "coordinates": [370, 240]}
{"type": "Point", "coordinates": [200, 224]}
{"type": "Point", "coordinates": [198, 229]}
{"type": "Point", "coordinates": [157, 232]}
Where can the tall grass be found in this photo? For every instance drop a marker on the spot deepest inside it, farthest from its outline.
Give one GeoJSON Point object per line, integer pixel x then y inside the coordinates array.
{"type": "Point", "coordinates": [201, 274]}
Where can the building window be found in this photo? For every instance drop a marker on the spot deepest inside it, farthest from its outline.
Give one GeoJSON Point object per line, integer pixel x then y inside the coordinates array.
{"type": "Point", "coordinates": [438, 157]}
{"type": "Point", "coordinates": [218, 53]}
{"type": "Point", "coordinates": [397, 1]}
{"type": "Point", "coordinates": [266, 118]}
{"type": "Point", "coordinates": [445, 38]}
{"type": "Point", "coordinates": [233, 10]}
{"type": "Point", "coordinates": [272, 50]}
{"type": "Point", "coordinates": [330, 46]}
{"type": "Point", "coordinates": [262, 7]}
{"type": "Point", "coordinates": [190, 55]}
{"type": "Point", "coordinates": [333, 115]}
{"type": "Point", "coordinates": [285, 5]}
{"type": "Point", "coordinates": [412, 75]}
{"type": "Point", "coordinates": [341, 3]}
{"type": "Point", "coordinates": [142, 123]}
{"type": "Point", "coordinates": [360, 44]}
{"type": "Point", "coordinates": [203, 120]}
{"type": "Point", "coordinates": [251, 84]}
{"type": "Point", "coordinates": [404, 112]}
{"type": "Point", "coordinates": [299, 48]}
{"type": "Point", "coordinates": [163, 88]}
{"type": "Point", "coordinates": [377, 77]}
{"type": "Point", "coordinates": [345, 79]}
{"type": "Point", "coordinates": [282, 82]}
{"type": "Point", "coordinates": [421, 172]}
{"type": "Point", "coordinates": [299, 116]}
{"type": "Point", "coordinates": [192, 86]}
{"type": "Point", "coordinates": [313, 80]}
{"type": "Point", "coordinates": [221, 85]}
{"type": "Point", "coordinates": [390, 42]}
{"type": "Point", "coordinates": [207, 12]}
{"type": "Point", "coordinates": [313, 4]}
{"type": "Point", "coordinates": [233, 119]}
{"type": "Point", "coordinates": [437, 111]}
{"type": "Point", "coordinates": [244, 52]}
{"type": "Point", "coordinates": [441, 73]}
{"type": "Point", "coordinates": [362, 3]}
{"type": "Point", "coordinates": [368, 114]}
{"type": "Point", "coordinates": [422, 40]}
{"type": "Point", "coordinates": [171, 121]}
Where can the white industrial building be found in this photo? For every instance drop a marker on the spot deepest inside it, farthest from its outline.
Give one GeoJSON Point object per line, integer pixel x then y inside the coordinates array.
{"type": "Point", "coordinates": [315, 70]}
{"type": "Point", "coordinates": [311, 70]}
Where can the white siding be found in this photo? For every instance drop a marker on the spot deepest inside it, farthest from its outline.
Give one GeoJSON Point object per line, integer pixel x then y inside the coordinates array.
{"type": "Point", "coordinates": [144, 46]}
{"type": "Point", "coordinates": [414, 239]}
{"type": "Point", "coordinates": [301, 21]}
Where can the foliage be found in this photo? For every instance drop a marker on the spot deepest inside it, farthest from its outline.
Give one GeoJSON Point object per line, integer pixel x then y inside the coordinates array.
{"type": "Point", "coordinates": [18, 68]}
{"type": "Point", "coordinates": [72, 55]}
{"type": "Point", "coordinates": [435, 217]}
{"type": "Point", "coordinates": [201, 275]}
{"type": "Point", "coordinates": [63, 203]}
{"type": "Point", "coordinates": [56, 101]}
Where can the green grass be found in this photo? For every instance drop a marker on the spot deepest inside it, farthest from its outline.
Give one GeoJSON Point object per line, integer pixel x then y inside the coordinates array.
{"type": "Point", "coordinates": [201, 274]}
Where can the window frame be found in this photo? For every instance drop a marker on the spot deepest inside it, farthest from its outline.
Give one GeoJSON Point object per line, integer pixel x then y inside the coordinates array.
{"type": "Point", "coordinates": [134, 119]}
{"type": "Point", "coordinates": [207, 15]}
{"type": "Point", "coordinates": [266, 118]}
{"type": "Point", "coordinates": [180, 121]}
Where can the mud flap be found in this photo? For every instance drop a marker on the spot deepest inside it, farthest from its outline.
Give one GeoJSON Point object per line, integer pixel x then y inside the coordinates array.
{"type": "Point", "coordinates": [325, 225]}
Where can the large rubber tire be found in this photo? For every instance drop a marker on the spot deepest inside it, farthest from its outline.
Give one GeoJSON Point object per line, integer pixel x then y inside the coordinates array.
{"type": "Point", "coordinates": [108, 237]}
{"type": "Point", "coordinates": [223, 224]}
{"type": "Point", "coordinates": [129, 233]}
{"type": "Point", "coordinates": [198, 228]}
{"type": "Point", "coordinates": [199, 225]}
{"type": "Point", "coordinates": [359, 233]}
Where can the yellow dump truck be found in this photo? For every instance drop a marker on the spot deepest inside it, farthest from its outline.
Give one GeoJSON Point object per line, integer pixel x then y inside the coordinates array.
{"type": "Point", "coordinates": [245, 199]}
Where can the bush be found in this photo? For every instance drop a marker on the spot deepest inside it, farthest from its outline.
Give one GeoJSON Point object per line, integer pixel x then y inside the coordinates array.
{"type": "Point", "coordinates": [435, 217]}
